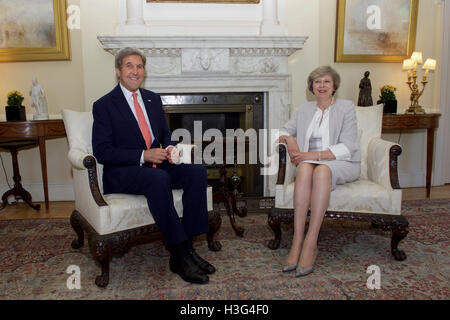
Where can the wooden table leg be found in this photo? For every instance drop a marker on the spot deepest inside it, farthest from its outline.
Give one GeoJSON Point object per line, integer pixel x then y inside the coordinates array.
{"type": "Point", "coordinates": [17, 190]}
{"type": "Point", "coordinates": [44, 169]}
{"type": "Point", "coordinates": [430, 149]}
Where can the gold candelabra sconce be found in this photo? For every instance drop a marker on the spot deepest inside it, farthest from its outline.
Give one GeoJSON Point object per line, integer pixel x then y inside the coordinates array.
{"type": "Point", "coordinates": [410, 65]}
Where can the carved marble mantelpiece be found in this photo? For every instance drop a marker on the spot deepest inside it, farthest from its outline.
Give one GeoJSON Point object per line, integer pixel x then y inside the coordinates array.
{"type": "Point", "coordinates": [180, 64]}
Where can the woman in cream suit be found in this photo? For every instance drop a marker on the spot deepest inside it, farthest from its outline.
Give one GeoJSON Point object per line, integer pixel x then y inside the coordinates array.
{"type": "Point", "coordinates": [322, 140]}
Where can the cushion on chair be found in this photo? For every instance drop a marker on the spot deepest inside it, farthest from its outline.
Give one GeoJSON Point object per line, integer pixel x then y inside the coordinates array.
{"type": "Point", "coordinates": [369, 121]}
{"type": "Point", "coordinates": [130, 211]}
{"type": "Point", "coordinates": [359, 196]}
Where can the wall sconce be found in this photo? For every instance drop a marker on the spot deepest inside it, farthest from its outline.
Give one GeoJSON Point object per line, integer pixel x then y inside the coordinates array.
{"type": "Point", "coordinates": [410, 65]}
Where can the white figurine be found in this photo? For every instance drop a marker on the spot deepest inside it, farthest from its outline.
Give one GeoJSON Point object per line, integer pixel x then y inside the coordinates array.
{"type": "Point", "coordinates": [38, 101]}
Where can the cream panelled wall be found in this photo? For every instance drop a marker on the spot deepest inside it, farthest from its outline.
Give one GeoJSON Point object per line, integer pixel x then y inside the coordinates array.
{"type": "Point", "coordinates": [78, 83]}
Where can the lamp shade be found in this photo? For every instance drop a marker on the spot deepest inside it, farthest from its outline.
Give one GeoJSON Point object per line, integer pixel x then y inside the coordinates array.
{"type": "Point", "coordinates": [408, 64]}
{"type": "Point", "coordinates": [417, 57]}
{"type": "Point", "coordinates": [430, 64]}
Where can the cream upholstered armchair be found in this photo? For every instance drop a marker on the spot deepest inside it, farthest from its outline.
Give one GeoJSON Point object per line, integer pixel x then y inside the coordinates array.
{"type": "Point", "coordinates": [374, 197]}
{"type": "Point", "coordinates": [113, 222]}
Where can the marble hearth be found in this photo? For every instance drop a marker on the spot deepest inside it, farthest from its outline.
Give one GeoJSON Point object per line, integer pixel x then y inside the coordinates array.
{"type": "Point", "coordinates": [180, 64]}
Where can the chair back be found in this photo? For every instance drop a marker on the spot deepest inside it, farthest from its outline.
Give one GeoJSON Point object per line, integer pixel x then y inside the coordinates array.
{"type": "Point", "coordinates": [78, 129]}
{"type": "Point", "coordinates": [369, 121]}
{"type": "Point", "coordinates": [78, 126]}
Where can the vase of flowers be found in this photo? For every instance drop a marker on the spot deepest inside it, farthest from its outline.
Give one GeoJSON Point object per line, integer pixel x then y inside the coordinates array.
{"type": "Point", "coordinates": [388, 99]}
{"type": "Point", "coordinates": [14, 110]}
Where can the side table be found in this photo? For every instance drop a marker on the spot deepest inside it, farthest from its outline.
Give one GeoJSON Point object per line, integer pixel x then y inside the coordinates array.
{"type": "Point", "coordinates": [37, 132]}
{"type": "Point", "coordinates": [430, 121]}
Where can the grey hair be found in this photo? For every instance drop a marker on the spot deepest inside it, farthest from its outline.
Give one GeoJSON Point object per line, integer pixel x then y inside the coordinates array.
{"type": "Point", "coordinates": [128, 52]}
{"type": "Point", "coordinates": [323, 71]}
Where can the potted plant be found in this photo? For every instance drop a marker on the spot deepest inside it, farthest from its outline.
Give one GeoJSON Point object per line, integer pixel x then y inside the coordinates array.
{"type": "Point", "coordinates": [388, 99]}
{"type": "Point", "coordinates": [14, 110]}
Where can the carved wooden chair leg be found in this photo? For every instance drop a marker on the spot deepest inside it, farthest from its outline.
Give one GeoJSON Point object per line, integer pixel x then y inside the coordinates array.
{"type": "Point", "coordinates": [274, 223]}
{"type": "Point", "coordinates": [103, 279]}
{"type": "Point", "coordinates": [75, 223]}
{"type": "Point", "coordinates": [214, 221]}
{"type": "Point", "coordinates": [399, 231]}
{"type": "Point", "coordinates": [101, 251]}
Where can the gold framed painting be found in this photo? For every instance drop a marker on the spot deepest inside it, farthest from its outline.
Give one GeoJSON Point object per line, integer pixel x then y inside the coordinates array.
{"type": "Point", "coordinates": [208, 1]}
{"type": "Point", "coordinates": [375, 30]}
{"type": "Point", "coordinates": [34, 30]}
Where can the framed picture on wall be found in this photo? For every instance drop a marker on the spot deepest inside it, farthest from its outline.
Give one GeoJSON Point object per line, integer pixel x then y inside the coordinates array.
{"type": "Point", "coordinates": [375, 30]}
{"type": "Point", "coordinates": [33, 30]}
{"type": "Point", "coordinates": [208, 1]}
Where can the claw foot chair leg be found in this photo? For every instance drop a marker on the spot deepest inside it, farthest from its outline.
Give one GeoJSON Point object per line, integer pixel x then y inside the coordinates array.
{"type": "Point", "coordinates": [103, 279]}
{"type": "Point", "coordinates": [399, 231]}
{"type": "Point", "coordinates": [101, 251]}
{"type": "Point", "coordinates": [274, 223]}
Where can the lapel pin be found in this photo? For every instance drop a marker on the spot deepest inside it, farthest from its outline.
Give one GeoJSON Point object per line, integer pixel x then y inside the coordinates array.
{"type": "Point", "coordinates": [149, 100]}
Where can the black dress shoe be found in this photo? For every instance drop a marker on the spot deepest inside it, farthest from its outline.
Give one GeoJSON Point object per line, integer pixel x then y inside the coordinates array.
{"type": "Point", "coordinates": [187, 269]}
{"type": "Point", "coordinates": [204, 265]}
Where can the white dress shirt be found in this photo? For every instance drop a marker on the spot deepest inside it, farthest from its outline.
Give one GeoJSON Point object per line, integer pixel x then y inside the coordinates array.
{"type": "Point", "coordinates": [129, 97]}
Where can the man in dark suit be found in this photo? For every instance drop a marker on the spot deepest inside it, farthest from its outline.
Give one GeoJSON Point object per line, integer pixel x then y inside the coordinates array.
{"type": "Point", "coordinates": [131, 139]}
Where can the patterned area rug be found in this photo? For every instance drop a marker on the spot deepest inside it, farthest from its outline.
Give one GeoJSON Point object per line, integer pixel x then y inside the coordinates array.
{"type": "Point", "coordinates": [35, 255]}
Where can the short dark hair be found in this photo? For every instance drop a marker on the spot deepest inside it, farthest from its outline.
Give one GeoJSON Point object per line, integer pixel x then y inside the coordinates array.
{"type": "Point", "coordinates": [322, 71]}
{"type": "Point", "coordinates": [128, 51]}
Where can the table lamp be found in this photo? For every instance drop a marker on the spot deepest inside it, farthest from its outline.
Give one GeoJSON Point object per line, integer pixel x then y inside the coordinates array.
{"type": "Point", "coordinates": [410, 65]}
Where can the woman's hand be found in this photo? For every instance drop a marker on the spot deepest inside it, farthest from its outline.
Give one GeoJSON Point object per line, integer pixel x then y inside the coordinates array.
{"type": "Point", "coordinates": [313, 155]}
{"type": "Point", "coordinates": [292, 146]}
{"type": "Point", "coordinates": [302, 156]}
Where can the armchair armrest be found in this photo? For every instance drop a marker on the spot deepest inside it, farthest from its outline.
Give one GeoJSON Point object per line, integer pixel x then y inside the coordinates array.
{"type": "Point", "coordinates": [382, 163]}
{"type": "Point", "coordinates": [91, 165]}
{"type": "Point", "coordinates": [86, 165]}
{"type": "Point", "coordinates": [76, 157]}
{"type": "Point", "coordinates": [286, 170]}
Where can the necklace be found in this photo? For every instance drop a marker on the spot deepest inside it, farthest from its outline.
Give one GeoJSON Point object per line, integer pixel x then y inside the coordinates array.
{"type": "Point", "coordinates": [325, 108]}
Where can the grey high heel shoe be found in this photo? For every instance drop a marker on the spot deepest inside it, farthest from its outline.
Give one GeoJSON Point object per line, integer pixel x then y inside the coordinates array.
{"type": "Point", "coordinates": [304, 271]}
{"type": "Point", "coordinates": [291, 266]}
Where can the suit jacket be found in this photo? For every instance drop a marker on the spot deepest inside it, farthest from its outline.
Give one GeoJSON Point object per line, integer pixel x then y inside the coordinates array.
{"type": "Point", "coordinates": [343, 126]}
{"type": "Point", "coordinates": [117, 141]}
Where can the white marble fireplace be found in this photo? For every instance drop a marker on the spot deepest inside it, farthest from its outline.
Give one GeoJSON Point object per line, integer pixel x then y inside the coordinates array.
{"type": "Point", "coordinates": [225, 63]}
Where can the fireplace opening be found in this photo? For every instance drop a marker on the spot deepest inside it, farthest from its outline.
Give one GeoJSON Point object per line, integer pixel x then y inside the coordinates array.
{"type": "Point", "coordinates": [221, 111]}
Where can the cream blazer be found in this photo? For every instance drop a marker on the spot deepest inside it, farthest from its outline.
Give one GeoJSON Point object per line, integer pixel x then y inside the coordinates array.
{"type": "Point", "coordinates": [343, 126]}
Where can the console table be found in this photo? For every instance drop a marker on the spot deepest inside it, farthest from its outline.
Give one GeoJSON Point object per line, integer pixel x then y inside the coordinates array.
{"type": "Point", "coordinates": [430, 121]}
{"type": "Point", "coordinates": [38, 131]}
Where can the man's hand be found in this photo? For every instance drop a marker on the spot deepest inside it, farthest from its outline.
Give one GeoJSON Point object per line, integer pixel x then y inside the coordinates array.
{"type": "Point", "coordinates": [155, 155]}
{"type": "Point", "coordinates": [173, 155]}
